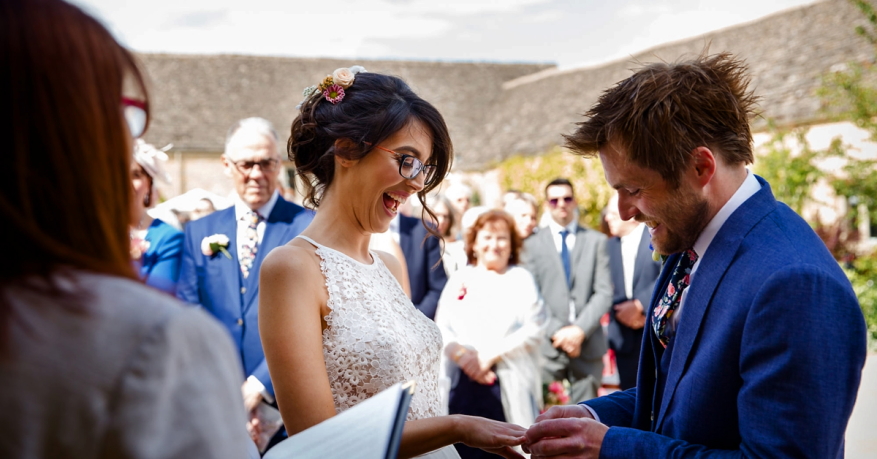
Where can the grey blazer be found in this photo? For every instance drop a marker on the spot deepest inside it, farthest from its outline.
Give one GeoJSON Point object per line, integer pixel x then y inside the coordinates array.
{"type": "Point", "coordinates": [591, 289]}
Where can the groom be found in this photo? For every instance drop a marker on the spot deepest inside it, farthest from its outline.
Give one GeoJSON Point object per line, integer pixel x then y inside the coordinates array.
{"type": "Point", "coordinates": [224, 279]}
{"type": "Point", "coordinates": [754, 341]}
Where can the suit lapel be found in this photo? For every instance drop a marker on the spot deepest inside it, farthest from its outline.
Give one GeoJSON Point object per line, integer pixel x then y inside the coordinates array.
{"type": "Point", "coordinates": [643, 257]}
{"type": "Point", "coordinates": [230, 269]}
{"type": "Point", "coordinates": [548, 247]}
{"type": "Point", "coordinates": [276, 228]}
{"type": "Point", "coordinates": [713, 265]}
{"type": "Point", "coordinates": [577, 251]}
{"type": "Point", "coordinates": [616, 268]}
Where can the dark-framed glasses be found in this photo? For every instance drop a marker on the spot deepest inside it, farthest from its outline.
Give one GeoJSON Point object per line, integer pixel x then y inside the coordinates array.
{"type": "Point", "coordinates": [554, 201]}
{"type": "Point", "coordinates": [410, 166]}
{"type": "Point", "coordinates": [135, 116]}
{"type": "Point", "coordinates": [265, 165]}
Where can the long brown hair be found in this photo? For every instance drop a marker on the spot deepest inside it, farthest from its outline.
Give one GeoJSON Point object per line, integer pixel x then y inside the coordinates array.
{"type": "Point", "coordinates": [65, 180]}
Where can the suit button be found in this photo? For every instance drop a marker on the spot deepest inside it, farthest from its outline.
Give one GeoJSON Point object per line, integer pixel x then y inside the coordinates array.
{"type": "Point", "coordinates": [243, 290]}
{"type": "Point", "coordinates": [240, 322]}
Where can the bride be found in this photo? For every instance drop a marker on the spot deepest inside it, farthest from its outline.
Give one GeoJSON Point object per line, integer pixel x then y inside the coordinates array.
{"type": "Point", "coordinates": [336, 326]}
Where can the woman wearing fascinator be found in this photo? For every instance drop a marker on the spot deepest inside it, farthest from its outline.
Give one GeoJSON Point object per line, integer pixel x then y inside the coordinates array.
{"type": "Point", "coordinates": [336, 325]}
{"type": "Point", "coordinates": [155, 245]}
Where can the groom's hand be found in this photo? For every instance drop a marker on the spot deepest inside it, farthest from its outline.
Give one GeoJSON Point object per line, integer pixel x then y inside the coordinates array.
{"type": "Point", "coordinates": [567, 430]}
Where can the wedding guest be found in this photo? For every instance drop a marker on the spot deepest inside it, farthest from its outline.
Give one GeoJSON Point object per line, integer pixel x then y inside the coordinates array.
{"type": "Point", "coordinates": [155, 245]}
{"type": "Point", "coordinates": [525, 210]}
{"type": "Point", "coordinates": [492, 321]}
{"type": "Point", "coordinates": [571, 268]}
{"type": "Point", "coordinates": [422, 259]}
{"type": "Point", "coordinates": [460, 197]}
{"type": "Point", "coordinates": [446, 220]}
{"type": "Point", "coordinates": [634, 272]}
{"type": "Point", "coordinates": [94, 363]}
{"type": "Point", "coordinates": [754, 341]}
{"type": "Point", "coordinates": [337, 326]}
{"type": "Point", "coordinates": [223, 251]}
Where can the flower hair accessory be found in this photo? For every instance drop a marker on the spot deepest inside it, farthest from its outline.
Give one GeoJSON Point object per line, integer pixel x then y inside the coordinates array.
{"type": "Point", "coordinates": [332, 87]}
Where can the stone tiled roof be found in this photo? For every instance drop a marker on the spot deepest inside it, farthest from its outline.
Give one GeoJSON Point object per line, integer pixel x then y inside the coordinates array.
{"type": "Point", "coordinates": [787, 53]}
{"type": "Point", "coordinates": [497, 110]}
{"type": "Point", "coordinates": [196, 98]}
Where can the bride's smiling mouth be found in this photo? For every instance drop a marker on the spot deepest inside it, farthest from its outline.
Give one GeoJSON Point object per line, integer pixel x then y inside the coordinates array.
{"type": "Point", "coordinates": [392, 201]}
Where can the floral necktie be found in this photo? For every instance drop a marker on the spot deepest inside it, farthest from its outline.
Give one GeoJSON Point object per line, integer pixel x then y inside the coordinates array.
{"type": "Point", "coordinates": [248, 248]}
{"type": "Point", "coordinates": [679, 281]}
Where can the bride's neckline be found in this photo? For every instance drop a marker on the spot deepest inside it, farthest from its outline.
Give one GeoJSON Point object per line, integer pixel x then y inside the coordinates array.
{"type": "Point", "coordinates": [354, 260]}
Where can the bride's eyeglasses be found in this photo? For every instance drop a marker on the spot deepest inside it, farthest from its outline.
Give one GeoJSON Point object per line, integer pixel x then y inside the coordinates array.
{"type": "Point", "coordinates": [410, 166]}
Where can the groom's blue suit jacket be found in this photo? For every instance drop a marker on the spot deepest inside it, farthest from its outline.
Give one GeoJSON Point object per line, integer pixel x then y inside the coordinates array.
{"type": "Point", "coordinates": [767, 356]}
{"type": "Point", "coordinates": [216, 283]}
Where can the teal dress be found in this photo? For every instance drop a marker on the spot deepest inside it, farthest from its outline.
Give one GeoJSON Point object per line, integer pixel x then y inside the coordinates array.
{"type": "Point", "coordinates": [160, 265]}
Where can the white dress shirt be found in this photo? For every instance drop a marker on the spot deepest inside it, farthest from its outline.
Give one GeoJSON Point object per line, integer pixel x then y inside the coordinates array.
{"type": "Point", "coordinates": [629, 248]}
{"type": "Point", "coordinates": [555, 229]}
{"type": "Point", "coordinates": [241, 209]}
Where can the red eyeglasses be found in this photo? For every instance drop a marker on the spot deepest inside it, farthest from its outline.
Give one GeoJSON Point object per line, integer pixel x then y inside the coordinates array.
{"type": "Point", "coordinates": [135, 115]}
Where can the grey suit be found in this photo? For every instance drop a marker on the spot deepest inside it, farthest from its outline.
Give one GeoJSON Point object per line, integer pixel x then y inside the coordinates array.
{"type": "Point", "coordinates": [591, 293]}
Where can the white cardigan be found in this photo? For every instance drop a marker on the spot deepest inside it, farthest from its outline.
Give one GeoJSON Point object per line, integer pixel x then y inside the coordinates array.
{"type": "Point", "coordinates": [498, 315]}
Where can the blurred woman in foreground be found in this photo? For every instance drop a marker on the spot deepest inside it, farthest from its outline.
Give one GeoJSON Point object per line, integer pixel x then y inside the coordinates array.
{"type": "Point", "coordinates": [92, 362]}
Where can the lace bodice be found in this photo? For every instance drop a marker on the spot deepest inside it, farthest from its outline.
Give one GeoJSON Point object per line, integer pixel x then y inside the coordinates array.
{"type": "Point", "coordinates": [375, 337]}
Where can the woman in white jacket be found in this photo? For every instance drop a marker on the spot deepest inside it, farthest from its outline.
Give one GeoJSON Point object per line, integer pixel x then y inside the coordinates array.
{"type": "Point", "coordinates": [492, 320]}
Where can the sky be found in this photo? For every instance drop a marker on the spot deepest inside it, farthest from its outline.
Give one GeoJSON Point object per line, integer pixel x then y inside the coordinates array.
{"type": "Point", "coordinates": [569, 33]}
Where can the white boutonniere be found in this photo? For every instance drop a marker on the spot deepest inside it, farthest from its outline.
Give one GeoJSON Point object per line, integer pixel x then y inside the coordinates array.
{"type": "Point", "coordinates": [216, 243]}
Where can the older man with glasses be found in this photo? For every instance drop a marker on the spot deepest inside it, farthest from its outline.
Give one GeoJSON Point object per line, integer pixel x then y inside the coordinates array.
{"type": "Point", "coordinates": [571, 268]}
{"type": "Point", "coordinates": [224, 250]}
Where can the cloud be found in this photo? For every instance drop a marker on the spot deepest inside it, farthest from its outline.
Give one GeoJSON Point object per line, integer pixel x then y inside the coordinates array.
{"type": "Point", "coordinates": [199, 19]}
{"type": "Point", "coordinates": [638, 9]}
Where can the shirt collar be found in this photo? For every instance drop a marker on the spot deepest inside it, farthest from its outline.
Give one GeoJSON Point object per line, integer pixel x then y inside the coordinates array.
{"type": "Point", "coordinates": [556, 228]}
{"type": "Point", "coordinates": [636, 234]}
{"type": "Point", "coordinates": [241, 209]}
{"type": "Point", "coordinates": [749, 187]}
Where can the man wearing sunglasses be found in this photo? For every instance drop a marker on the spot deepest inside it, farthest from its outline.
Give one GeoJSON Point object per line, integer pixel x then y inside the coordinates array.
{"type": "Point", "coordinates": [224, 278]}
{"type": "Point", "coordinates": [571, 268]}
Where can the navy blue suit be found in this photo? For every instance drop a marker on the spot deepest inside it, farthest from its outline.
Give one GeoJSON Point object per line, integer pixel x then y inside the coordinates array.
{"type": "Point", "coordinates": [216, 283]}
{"type": "Point", "coordinates": [625, 341]}
{"type": "Point", "coordinates": [767, 357]}
{"type": "Point", "coordinates": [423, 255]}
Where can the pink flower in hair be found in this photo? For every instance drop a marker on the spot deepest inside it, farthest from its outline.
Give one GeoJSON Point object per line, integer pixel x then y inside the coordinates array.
{"type": "Point", "coordinates": [334, 93]}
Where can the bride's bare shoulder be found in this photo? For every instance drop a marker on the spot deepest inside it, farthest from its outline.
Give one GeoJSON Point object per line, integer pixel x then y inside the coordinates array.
{"type": "Point", "coordinates": [296, 258]}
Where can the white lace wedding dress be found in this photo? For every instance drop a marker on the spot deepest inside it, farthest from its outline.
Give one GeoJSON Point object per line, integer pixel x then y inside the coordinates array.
{"type": "Point", "coordinates": [376, 338]}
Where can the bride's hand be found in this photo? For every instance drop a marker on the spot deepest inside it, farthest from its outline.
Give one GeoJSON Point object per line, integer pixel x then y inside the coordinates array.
{"type": "Point", "coordinates": [493, 436]}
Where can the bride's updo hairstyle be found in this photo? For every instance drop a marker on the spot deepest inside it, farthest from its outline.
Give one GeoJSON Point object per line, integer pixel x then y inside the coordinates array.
{"type": "Point", "coordinates": [369, 110]}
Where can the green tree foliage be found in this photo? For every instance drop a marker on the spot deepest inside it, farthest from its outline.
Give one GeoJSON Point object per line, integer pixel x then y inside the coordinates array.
{"type": "Point", "coordinates": [790, 174]}
{"type": "Point", "coordinates": [851, 95]}
{"type": "Point", "coordinates": [531, 173]}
